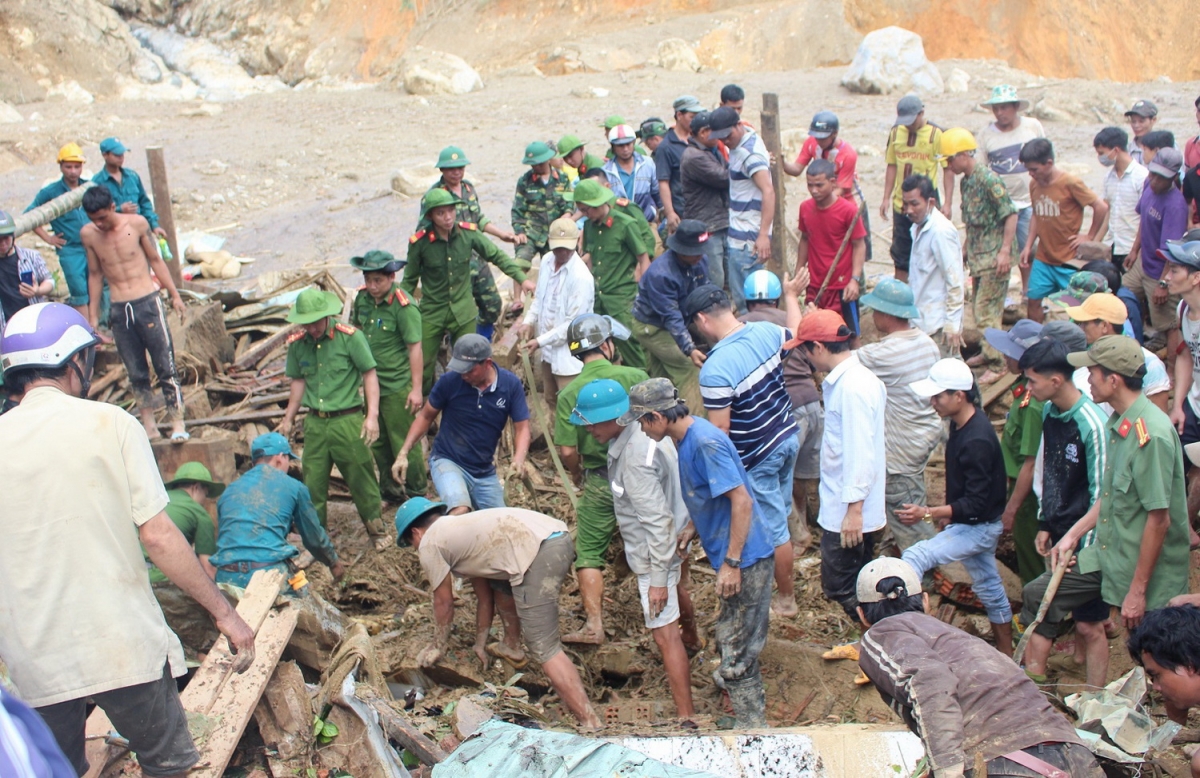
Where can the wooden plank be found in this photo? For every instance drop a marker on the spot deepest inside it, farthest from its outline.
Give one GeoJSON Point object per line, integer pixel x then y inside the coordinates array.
{"type": "Point", "coordinates": [997, 390]}
{"type": "Point", "coordinates": [263, 347]}
{"type": "Point", "coordinates": [771, 137]}
{"type": "Point", "coordinates": [162, 207]}
{"type": "Point", "coordinates": [110, 378]}
{"type": "Point", "coordinates": [233, 418]}
{"type": "Point", "coordinates": [399, 729]}
{"type": "Point", "coordinates": [285, 720]}
{"type": "Point", "coordinates": [204, 688]}
{"type": "Point", "coordinates": [235, 704]}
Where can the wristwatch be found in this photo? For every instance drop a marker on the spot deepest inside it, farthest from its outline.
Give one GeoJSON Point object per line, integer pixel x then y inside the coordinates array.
{"type": "Point", "coordinates": [1163, 283]}
{"type": "Point", "coordinates": [733, 562]}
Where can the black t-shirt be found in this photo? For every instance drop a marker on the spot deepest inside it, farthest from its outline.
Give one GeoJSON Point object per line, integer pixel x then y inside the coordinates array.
{"type": "Point", "coordinates": [10, 280]}
{"type": "Point", "coordinates": [667, 157]}
{"type": "Point", "coordinates": [976, 487]}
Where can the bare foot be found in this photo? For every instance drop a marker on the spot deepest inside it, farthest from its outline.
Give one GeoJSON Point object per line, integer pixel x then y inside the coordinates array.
{"type": "Point", "coordinates": [784, 606]}
{"type": "Point", "coordinates": [514, 656]}
{"type": "Point", "coordinates": [585, 636]}
{"type": "Point", "coordinates": [381, 542]}
{"type": "Point", "coordinates": [990, 377]}
{"type": "Point", "coordinates": [979, 360]}
{"type": "Point", "coordinates": [152, 430]}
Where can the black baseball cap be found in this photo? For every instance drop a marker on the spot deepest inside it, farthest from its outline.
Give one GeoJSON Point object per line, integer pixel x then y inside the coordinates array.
{"type": "Point", "coordinates": [702, 298]}
{"type": "Point", "coordinates": [722, 121]}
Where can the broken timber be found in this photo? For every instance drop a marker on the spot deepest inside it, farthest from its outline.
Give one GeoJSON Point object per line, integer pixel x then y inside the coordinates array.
{"type": "Point", "coordinates": [399, 729]}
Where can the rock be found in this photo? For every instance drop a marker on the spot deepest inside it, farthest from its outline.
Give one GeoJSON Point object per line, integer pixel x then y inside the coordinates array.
{"type": "Point", "coordinates": [559, 61]}
{"type": "Point", "coordinates": [958, 82]}
{"type": "Point", "coordinates": [214, 167]}
{"type": "Point", "coordinates": [414, 182]}
{"type": "Point", "coordinates": [786, 36]}
{"type": "Point", "coordinates": [1050, 113]}
{"type": "Point", "coordinates": [429, 72]}
{"type": "Point", "coordinates": [72, 92]}
{"type": "Point", "coordinates": [677, 54]}
{"type": "Point", "coordinates": [867, 150]}
{"type": "Point", "coordinates": [468, 717]}
{"type": "Point", "coordinates": [198, 198]}
{"type": "Point", "coordinates": [10, 115]}
{"type": "Point", "coordinates": [892, 60]}
{"type": "Point", "coordinates": [213, 69]}
{"type": "Point", "coordinates": [203, 109]}
{"type": "Point", "coordinates": [590, 92]}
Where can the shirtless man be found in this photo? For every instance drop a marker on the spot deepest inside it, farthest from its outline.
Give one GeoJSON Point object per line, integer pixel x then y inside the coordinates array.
{"type": "Point", "coordinates": [121, 250]}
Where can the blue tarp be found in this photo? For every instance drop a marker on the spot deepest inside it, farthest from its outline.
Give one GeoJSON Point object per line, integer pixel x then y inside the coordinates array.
{"type": "Point", "coordinates": [502, 750]}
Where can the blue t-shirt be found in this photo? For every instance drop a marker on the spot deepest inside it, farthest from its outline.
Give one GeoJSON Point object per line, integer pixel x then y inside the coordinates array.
{"type": "Point", "coordinates": [472, 420]}
{"type": "Point", "coordinates": [744, 373]}
{"type": "Point", "coordinates": [709, 468]}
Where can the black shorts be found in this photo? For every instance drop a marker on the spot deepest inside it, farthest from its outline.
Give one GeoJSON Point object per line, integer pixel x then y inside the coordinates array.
{"type": "Point", "coordinates": [1191, 428]}
{"type": "Point", "coordinates": [901, 241]}
{"type": "Point", "coordinates": [148, 715]}
{"type": "Point", "coordinates": [840, 568]}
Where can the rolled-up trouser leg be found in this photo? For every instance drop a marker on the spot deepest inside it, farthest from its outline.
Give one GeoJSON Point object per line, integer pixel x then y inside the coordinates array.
{"type": "Point", "coordinates": [741, 634]}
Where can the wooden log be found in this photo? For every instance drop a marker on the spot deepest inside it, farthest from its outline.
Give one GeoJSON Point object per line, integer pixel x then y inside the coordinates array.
{"type": "Point", "coordinates": [162, 206]}
{"type": "Point", "coordinates": [233, 418]}
{"type": "Point", "coordinates": [997, 390]}
{"type": "Point", "coordinates": [399, 729]}
{"type": "Point", "coordinates": [44, 214]}
{"type": "Point", "coordinates": [262, 348]}
{"type": "Point", "coordinates": [284, 717]}
{"type": "Point", "coordinates": [110, 378]}
{"type": "Point", "coordinates": [770, 136]}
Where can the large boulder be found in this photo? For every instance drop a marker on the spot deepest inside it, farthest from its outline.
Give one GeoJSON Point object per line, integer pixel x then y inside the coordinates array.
{"type": "Point", "coordinates": [892, 60]}
{"type": "Point", "coordinates": [677, 54]}
{"type": "Point", "coordinates": [428, 72]}
{"type": "Point", "coordinates": [217, 72]}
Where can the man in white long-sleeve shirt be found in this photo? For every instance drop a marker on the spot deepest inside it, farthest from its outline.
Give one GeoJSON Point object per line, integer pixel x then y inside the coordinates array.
{"type": "Point", "coordinates": [936, 268]}
{"type": "Point", "coordinates": [565, 289]}
{"type": "Point", "coordinates": [853, 462]}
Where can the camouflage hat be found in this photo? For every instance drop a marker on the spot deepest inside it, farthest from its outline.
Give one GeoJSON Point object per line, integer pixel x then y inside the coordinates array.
{"type": "Point", "coordinates": [377, 260]}
{"type": "Point", "coordinates": [652, 128]}
{"type": "Point", "coordinates": [537, 152]}
{"type": "Point", "coordinates": [656, 394]}
{"type": "Point", "coordinates": [1082, 285]}
{"type": "Point", "coordinates": [452, 156]}
{"type": "Point", "coordinates": [436, 198]}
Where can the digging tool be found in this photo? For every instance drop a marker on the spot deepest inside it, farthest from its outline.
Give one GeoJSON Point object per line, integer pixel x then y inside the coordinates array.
{"type": "Point", "coordinates": [838, 256]}
{"type": "Point", "coordinates": [536, 402]}
{"type": "Point", "coordinates": [1047, 598]}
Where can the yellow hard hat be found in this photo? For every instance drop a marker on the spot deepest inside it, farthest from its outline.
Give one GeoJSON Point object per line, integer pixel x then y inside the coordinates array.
{"type": "Point", "coordinates": [954, 141]}
{"type": "Point", "coordinates": [71, 153]}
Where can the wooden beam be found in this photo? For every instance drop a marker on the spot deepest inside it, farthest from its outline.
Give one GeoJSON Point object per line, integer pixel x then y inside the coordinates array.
{"type": "Point", "coordinates": [399, 729]}
{"type": "Point", "coordinates": [162, 206]}
{"type": "Point", "coordinates": [770, 135]}
{"type": "Point", "coordinates": [997, 390]}
{"type": "Point", "coordinates": [271, 413]}
{"type": "Point", "coordinates": [262, 348]}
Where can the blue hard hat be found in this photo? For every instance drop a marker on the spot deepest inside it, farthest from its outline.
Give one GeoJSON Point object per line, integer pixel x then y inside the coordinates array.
{"type": "Point", "coordinates": [762, 285]}
{"type": "Point", "coordinates": [410, 512]}
{"type": "Point", "coordinates": [892, 297]}
{"type": "Point", "coordinates": [601, 400]}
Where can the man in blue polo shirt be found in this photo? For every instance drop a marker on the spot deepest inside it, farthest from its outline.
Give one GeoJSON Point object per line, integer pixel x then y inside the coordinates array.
{"type": "Point", "coordinates": [743, 390]}
{"type": "Point", "coordinates": [65, 240]}
{"type": "Point", "coordinates": [126, 186]}
{"type": "Point", "coordinates": [732, 531]}
{"type": "Point", "coordinates": [478, 398]}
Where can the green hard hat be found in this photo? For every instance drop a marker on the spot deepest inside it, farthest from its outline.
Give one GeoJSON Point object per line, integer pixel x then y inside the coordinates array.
{"type": "Point", "coordinates": [377, 260]}
{"type": "Point", "coordinates": [569, 143]}
{"type": "Point", "coordinates": [7, 225]}
{"type": "Point", "coordinates": [602, 400]}
{"type": "Point", "coordinates": [313, 305]}
{"type": "Point", "coordinates": [410, 512]}
{"type": "Point", "coordinates": [195, 473]}
{"type": "Point", "coordinates": [538, 152]}
{"type": "Point", "coordinates": [613, 121]}
{"type": "Point", "coordinates": [591, 192]}
{"type": "Point", "coordinates": [452, 156]}
{"type": "Point", "coordinates": [436, 198]}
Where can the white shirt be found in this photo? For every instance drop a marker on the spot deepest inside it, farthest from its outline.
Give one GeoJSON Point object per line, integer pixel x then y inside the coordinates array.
{"type": "Point", "coordinates": [77, 615]}
{"type": "Point", "coordinates": [853, 458]}
{"type": "Point", "coordinates": [562, 294]}
{"type": "Point", "coordinates": [935, 274]}
{"type": "Point", "coordinates": [1122, 194]}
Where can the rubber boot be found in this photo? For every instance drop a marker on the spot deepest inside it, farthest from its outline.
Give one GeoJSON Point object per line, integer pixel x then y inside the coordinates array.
{"type": "Point", "coordinates": [749, 702]}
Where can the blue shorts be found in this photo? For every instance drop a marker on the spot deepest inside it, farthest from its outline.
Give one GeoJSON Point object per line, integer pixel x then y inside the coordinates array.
{"type": "Point", "coordinates": [73, 262]}
{"type": "Point", "coordinates": [1045, 280]}
{"type": "Point", "coordinates": [460, 489]}
{"type": "Point", "coordinates": [770, 483]}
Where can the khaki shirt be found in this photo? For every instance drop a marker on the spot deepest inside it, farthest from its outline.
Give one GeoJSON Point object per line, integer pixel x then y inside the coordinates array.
{"type": "Point", "coordinates": [332, 367]}
{"type": "Point", "coordinates": [496, 543]}
{"type": "Point", "coordinates": [1143, 472]}
{"type": "Point", "coordinates": [390, 327]}
{"type": "Point", "coordinates": [77, 615]}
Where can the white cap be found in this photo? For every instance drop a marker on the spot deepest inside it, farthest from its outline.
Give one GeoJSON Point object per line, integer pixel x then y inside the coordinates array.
{"type": "Point", "coordinates": [886, 567]}
{"type": "Point", "coordinates": [944, 376]}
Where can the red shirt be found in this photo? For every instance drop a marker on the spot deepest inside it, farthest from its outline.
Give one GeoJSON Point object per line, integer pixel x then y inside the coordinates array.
{"type": "Point", "coordinates": [825, 230]}
{"type": "Point", "coordinates": [841, 154]}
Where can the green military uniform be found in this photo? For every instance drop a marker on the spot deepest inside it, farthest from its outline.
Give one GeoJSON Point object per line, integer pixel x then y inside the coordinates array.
{"type": "Point", "coordinates": [483, 284]}
{"type": "Point", "coordinates": [595, 519]}
{"type": "Point", "coordinates": [391, 326]}
{"type": "Point", "coordinates": [332, 368]}
{"type": "Point", "coordinates": [615, 245]}
{"type": "Point", "coordinates": [186, 617]}
{"type": "Point", "coordinates": [535, 205]}
{"type": "Point", "coordinates": [633, 211]}
{"type": "Point", "coordinates": [985, 206]}
{"type": "Point", "coordinates": [1143, 472]}
{"type": "Point", "coordinates": [591, 162]}
{"type": "Point", "coordinates": [1021, 439]}
{"type": "Point", "coordinates": [443, 269]}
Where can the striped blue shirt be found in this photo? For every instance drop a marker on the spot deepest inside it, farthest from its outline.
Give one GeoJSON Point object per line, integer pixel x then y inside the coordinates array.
{"type": "Point", "coordinates": [744, 373]}
{"type": "Point", "coordinates": [745, 198]}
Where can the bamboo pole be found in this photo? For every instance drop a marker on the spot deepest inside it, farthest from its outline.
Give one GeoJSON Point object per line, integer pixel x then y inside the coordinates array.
{"type": "Point", "coordinates": [44, 214]}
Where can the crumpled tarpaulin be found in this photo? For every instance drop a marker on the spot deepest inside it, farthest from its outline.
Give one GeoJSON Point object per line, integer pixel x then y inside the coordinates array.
{"type": "Point", "coordinates": [502, 750]}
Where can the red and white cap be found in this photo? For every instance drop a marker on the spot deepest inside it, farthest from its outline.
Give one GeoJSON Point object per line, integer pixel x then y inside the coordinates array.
{"type": "Point", "coordinates": [621, 135]}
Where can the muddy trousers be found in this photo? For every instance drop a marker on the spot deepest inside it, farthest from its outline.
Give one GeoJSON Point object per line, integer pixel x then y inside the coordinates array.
{"type": "Point", "coordinates": [395, 419]}
{"type": "Point", "coordinates": [741, 633]}
{"type": "Point", "coordinates": [620, 307]}
{"type": "Point", "coordinates": [665, 360]}
{"type": "Point", "coordinates": [436, 321]}
{"type": "Point", "coordinates": [139, 327]}
{"type": "Point", "coordinates": [337, 440]}
{"type": "Point", "coordinates": [988, 292]}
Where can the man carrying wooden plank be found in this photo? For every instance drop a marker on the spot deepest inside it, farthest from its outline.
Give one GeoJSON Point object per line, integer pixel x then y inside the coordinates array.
{"type": "Point", "coordinates": [78, 619]}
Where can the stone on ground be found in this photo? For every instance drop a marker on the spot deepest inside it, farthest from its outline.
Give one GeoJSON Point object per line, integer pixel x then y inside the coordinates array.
{"type": "Point", "coordinates": [429, 72]}
{"type": "Point", "coordinates": [892, 60]}
{"type": "Point", "coordinates": [677, 54]}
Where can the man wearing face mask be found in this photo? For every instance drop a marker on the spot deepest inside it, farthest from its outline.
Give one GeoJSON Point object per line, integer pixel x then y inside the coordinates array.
{"type": "Point", "coordinates": [1123, 185]}
{"type": "Point", "coordinates": [935, 267]}
{"type": "Point", "coordinates": [77, 617]}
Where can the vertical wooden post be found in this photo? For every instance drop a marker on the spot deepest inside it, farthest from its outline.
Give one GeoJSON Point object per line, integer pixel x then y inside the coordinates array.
{"type": "Point", "coordinates": [162, 206]}
{"type": "Point", "coordinates": [770, 136]}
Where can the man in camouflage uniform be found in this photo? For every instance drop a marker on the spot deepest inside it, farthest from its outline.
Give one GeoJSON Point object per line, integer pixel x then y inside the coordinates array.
{"type": "Point", "coordinates": [543, 194]}
{"type": "Point", "coordinates": [991, 220]}
{"type": "Point", "coordinates": [439, 258]}
{"type": "Point", "coordinates": [453, 162]}
{"type": "Point", "coordinates": [391, 322]}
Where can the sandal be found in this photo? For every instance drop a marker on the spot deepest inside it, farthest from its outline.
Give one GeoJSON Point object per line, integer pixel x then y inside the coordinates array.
{"type": "Point", "coordinates": [497, 650]}
{"type": "Point", "coordinates": [180, 437]}
{"type": "Point", "coordinates": [847, 651]}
